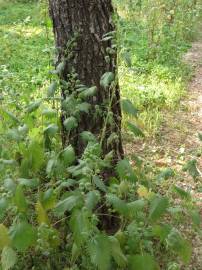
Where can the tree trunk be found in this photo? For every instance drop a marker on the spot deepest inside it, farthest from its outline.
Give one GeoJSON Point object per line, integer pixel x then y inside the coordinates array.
{"type": "Point", "coordinates": [79, 27]}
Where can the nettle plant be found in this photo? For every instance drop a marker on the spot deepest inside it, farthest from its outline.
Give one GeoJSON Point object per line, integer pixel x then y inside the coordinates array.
{"type": "Point", "coordinates": [59, 211]}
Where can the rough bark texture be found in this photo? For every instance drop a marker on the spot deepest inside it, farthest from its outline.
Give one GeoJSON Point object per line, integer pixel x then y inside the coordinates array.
{"type": "Point", "coordinates": [87, 21]}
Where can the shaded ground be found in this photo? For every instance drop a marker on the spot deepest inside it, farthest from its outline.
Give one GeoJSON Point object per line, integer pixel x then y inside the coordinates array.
{"type": "Point", "coordinates": [178, 141]}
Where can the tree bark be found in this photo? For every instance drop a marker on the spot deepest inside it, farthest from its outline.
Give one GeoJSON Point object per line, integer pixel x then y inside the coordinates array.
{"type": "Point", "coordinates": [79, 27]}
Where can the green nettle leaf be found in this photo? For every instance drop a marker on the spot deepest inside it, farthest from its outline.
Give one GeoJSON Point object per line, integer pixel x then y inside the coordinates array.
{"type": "Point", "coordinates": [8, 258]}
{"type": "Point", "coordinates": [136, 130]}
{"type": "Point", "coordinates": [72, 201]}
{"type": "Point", "coordinates": [33, 106]}
{"type": "Point", "coordinates": [165, 174]}
{"type": "Point", "coordinates": [116, 252]}
{"type": "Point", "coordinates": [129, 108]}
{"type": "Point", "coordinates": [4, 203]}
{"type": "Point", "coordinates": [196, 217]}
{"type": "Point", "coordinates": [31, 183]}
{"type": "Point", "coordinates": [20, 199]}
{"type": "Point", "coordinates": [4, 237]}
{"type": "Point", "coordinates": [100, 251]}
{"type": "Point", "coordinates": [119, 205]}
{"type": "Point", "coordinates": [92, 199]}
{"type": "Point", "coordinates": [51, 130]}
{"type": "Point", "coordinates": [50, 166]}
{"type": "Point", "coordinates": [136, 206]}
{"type": "Point", "coordinates": [51, 89]}
{"type": "Point", "coordinates": [83, 107]}
{"type": "Point", "coordinates": [89, 92]}
{"type": "Point", "coordinates": [179, 245]}
{"type": "Point", "coordinates": [12, 116]}
{"type": "Point", "coordinates": [158, 208]}
{"type": "Point", "coordinates": [182, 193]}
{"type": "Point", "coordinates": [49, 112]}
{"type": "Point", "coordinates": [60, 68]}
{"type": "Point", "coordinates": [142, 262]}
{"type": "Point", "coordinates": [23, 236]}
{"type": "Point", "coordinates": [161, 231]}
{"type": "Point", "coordinates": [70, 123]}
{"type": "Point", "coordinates": [48, 199]}
{"type": "Point", "coordinates": [80, 226]}
{"type": "Point", "coordinates": [9, 184]}
{"type": "Point", "coordinates": [125, 171]}
{"type": "Point", "coordinates": [200, 136]}
{"type": "Point", "coordinates": [106, 79]}
{"type": "Point", "coordinates": [191, 168]}
{"type": "Point", "coordinates": [99, 183]}
{"type": "Point", "coordinates": [87, 136]}
{"type": "Point", "coordinates": [68, 155]}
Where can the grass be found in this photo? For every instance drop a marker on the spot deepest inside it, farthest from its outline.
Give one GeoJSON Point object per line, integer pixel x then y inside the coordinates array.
{"type": "Point", "coordinates": [24, 61]}
{"type": "Point", "coordinates": [26, 43]}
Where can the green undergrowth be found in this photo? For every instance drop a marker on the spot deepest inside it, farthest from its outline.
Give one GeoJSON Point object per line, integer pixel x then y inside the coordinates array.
{"type": "Point", "coordinates": [61, 212]}
{"type": "Point", "coordinates": [154, 36]}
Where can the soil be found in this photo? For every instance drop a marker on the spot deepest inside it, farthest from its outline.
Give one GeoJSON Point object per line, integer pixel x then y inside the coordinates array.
{"type": "Point", "coordinates": [178, 142]}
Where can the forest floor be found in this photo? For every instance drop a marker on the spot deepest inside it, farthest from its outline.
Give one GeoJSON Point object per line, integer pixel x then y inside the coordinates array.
{"type": "Point", "coordinates": [178, 141]}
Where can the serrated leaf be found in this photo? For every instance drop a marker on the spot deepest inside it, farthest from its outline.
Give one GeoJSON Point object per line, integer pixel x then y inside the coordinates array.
{"type": "Point", "coordinates": [12, 116]}
{"type": "Point", "coordinates": [51, 130]}
{"type": "Point", "coordinates": [196, 217]}
{"type": "Point", "coordinates": [89, 92]}
{"type": "Point", "coordinates": [161, 231]}
{"type": "Point", "coordinates": [119, 205]}
{"type": "Point", "coordinates": [4, 237]}
{"type": "Point", "coordinates": [142, 262]}
{"type": "Point", "coordinates": [106, 79]}
{"type": "Point", "coordinates": [129, 108]}
{"type": "Point", "coordinates": [136, 206]}
{"type": "Point", "coordinates": [72, 201]}
{"type": "Point", "coordinates": [60, 68]}
{"type": "Point", "coordinates": [179, 245]}
{"type": "Point", "coordinates": [99, 183]}
{"type": "Point", "coordinates": [182, 193]}
{"type": "Point", "coordinates": [99, 250]}
{"type": "Point", "coordinates": [42, 216]}
{"type": "Point", "coordinates": [31, 183]}
{"type": "Point", "coordinates": [3, 207]}
{"type": "Point", "coordinates": [70, 123]}
{"type": "Point", "coordinates": [20, 199]}
{"type": "Point", "coordinates": [23, 236]}
{"type": "Point", "coordinates": [135, 130]}
{"type": "Point", "coordinates": [191, 167]}
{"type": "Point", "coordinates": [48, 199]}
{"type": "Point", "coordinates": [125, 171]}
{"type": "Point", "coordinates": [158, 208]}
{"type": "Point", "coordinates": [68, 155]}
{"type": "Point", "coordinates": [165, 174]}
{"type": "Point", "coordinates": [116, 252]}
{"type": "Point", "coordinates": [8, 258]}
{"type": "Point", "coordinates": [51, 89]}
{"type": "Point", "coordinates": [83, 107]}
{"type": "Point", "coordinates": [9, 184]}
{"type": "Point", "coordinates": [80, 226]}
{"type": "Point", "coordinates": [87, 136]}
{"type": "Point", "coordinates": [92, 199]}
{"type": "Point", "coordinates": [33, 106]}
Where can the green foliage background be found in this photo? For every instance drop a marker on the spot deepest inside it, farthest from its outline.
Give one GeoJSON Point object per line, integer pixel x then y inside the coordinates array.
{"type": "Point", "coordinates": [51, 208]}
